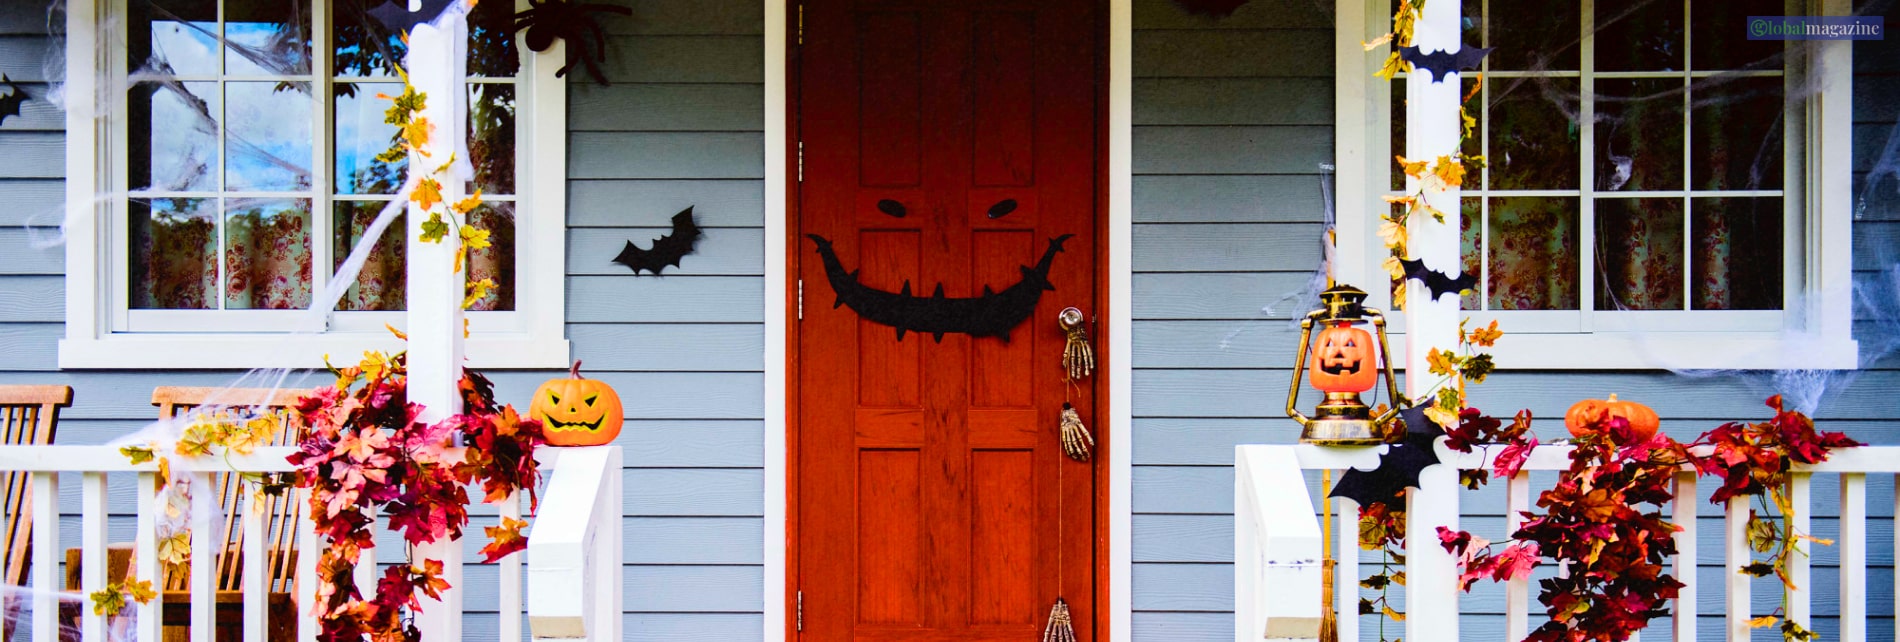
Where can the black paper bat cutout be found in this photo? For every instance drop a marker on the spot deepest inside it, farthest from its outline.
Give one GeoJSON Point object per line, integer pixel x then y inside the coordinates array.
{"type": "Point", "coordinates": [667, 250]}
{"type": "Point", "coordinates": [992, 315]}
{"type": "Point", "coordinates": [1435, 280]}
{"type": "Point", "coordinates": [1398, 467]}
{"type": "Point", "coordinates": [10, 104]}
{"type": "Point", "coordinates": [397, 18]}
{"type": "Point", "coordinates": [892, 208]}
{"type": "Point", "coordinates": [1442, 62]}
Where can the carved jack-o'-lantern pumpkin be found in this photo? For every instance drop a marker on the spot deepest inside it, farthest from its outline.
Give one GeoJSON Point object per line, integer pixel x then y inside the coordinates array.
{"type": "Point", "coordinates": [1344, 361]}
{"type": "Point", "coordinates": [576, 411]}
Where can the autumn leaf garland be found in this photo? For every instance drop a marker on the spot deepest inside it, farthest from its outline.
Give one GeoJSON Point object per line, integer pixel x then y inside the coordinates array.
{"type": "Point", "coordinates": [367, 453]}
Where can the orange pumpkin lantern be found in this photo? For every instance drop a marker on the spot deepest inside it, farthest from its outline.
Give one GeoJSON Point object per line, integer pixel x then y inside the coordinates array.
{"type": "Point", "coordinates": [577, 412]}
{"type": "Point", "coordinates": [1583, 418]}
{"type": "Point", "coordinates": [1344, 361]}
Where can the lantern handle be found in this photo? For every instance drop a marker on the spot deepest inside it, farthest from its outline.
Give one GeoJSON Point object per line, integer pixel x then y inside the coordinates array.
{"type": "Point", "coordinates": [1385, 354]}
{"type": "Point", "coordinates": [1299, 369]}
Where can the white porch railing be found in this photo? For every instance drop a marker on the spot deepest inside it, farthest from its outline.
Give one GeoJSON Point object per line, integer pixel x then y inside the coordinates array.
{"type": "Point", "coordinates": [1277, 550]}
{"type": "Point", "coordinates": [581, 502]}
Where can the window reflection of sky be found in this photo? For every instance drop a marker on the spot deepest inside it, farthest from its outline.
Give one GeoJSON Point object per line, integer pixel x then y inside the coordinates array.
{"type": "Point", "coordinates": [268, 135]}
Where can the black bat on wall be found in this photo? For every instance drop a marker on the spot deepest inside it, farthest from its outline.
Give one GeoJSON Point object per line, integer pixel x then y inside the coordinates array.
{"type": "Point", "coordinates": [1398, 467]}
{"type": "Point", "coordinates": [10, 104]}
{"type": "Point", "coordinates": [1443, 62]}
{"type": "Point", "coordinates": [1435, 280]}
{"type": "Point", "coordinates": [397, 18]}
{"type": "Point", "coordinates": [992, 315]}
{"type": "Point", "coordinates": [667, 250]}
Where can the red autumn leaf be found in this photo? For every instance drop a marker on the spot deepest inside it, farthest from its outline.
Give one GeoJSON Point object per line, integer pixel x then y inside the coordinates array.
{"type": "Point", "coordinates": [504, 539]}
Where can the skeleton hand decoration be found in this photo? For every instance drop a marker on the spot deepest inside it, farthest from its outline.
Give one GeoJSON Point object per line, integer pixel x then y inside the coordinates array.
{"type": "Point", "coordinates": [1076, 440]}
{"type": "Point", "coordinates": [1078, 359]}
{"type": "Point", "coordinates": [1060, 628]}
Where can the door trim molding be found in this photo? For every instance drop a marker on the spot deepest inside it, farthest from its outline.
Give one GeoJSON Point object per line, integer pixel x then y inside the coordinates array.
{"type": "Point", "coordinates": [780, 306]}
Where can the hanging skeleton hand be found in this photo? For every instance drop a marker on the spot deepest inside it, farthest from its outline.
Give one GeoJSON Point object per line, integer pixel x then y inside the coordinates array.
{"type": "Point", "coordinates": [1078, 359]}
{"type": "Point", "coordinates": [1060, 628]}
{"type": "Point", "coordinates": [1077, 443]}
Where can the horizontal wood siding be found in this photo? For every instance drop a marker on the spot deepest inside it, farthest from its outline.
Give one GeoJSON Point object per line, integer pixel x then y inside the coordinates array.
{"type": "Point", "coordinates": [1233, 118]}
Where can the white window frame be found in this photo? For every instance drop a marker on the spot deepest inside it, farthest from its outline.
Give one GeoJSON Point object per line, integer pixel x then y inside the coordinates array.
{"type": "Point", "coordinates": [1815, 331]}
{"type": "Point", "coordinates": [530, 336]}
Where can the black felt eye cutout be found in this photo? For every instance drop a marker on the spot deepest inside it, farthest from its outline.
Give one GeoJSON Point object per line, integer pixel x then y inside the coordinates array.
{"type": "Point", "coordinates": [893, 208]}
{"type": "Point", "coordinates": [1002, 208]}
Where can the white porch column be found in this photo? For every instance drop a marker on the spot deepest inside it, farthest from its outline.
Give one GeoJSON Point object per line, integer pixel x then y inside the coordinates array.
{"type": "Point", "coordinates": [1432, 130]}
{"type": "Point", "coordinates": [435, 62]}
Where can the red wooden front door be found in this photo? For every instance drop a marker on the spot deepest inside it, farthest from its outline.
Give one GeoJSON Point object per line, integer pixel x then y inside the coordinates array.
{"type": "Point", "coordinates": [945, 144]}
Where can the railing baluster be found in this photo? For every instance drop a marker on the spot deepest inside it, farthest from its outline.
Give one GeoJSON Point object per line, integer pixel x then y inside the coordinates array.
{"type": "Point", "coordinates": [145, 551]}
{"type": "Point", "coordinates": [204, 555]}
{"type": "Point", "coordinates": [1517, 591]}
{"type": "Point", "coordinates": [1346, 569]}
{"type": "Point", "coordinates": [1735, 556]}
{"type": "Point", "coordinates": [307, 550]}
{"type": "Point", "coordinates": [92, 537]}
{"type": "Point", "coordinates": [510, 571]}
{"type": "Point", "coordinates": [1683, 512]}
{"type": "Point", "coordinates": [1800, 496]}
{"type": "Point", "coordinates": [1853, 543]}
{"type": "Point", "coordinates": [46, 581]}
{"type": "Point", "coordinates": [255, 587]}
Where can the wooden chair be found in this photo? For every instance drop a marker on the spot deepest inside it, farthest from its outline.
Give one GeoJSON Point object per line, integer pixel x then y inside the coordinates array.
{"type": "Point", "coordinates": [282, 516]}
{"type": "Point", "coordinates": [28, 415]}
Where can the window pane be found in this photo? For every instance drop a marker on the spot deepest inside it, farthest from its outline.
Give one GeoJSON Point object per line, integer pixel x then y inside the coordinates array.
{"type": "Point", "coordinates": [267, 254]}
{"type": "Point", "coordinates": [1639, 135]}
{"type": "Point", "coordinates": [380, 285]}
{"type": "Point", "coordinates": [269, 144]}
{"type": "Point", "coordinates": [1534, 137]}
{"type": "Point", "coordinates": [1471, 245]}
{"type": "Point", "coordinates": [1737, 134]}
{"type": "Point", "coordinates": [266, 38]}
{"type": "Point", "coordinates": [361, 134]}
{"type": "Point", "coordinates": [1720, 41]}
{"type": "Point", "coordinates": [1533, 254]}
{"type": "Point", "coordinates": [1472, 146]}
{"type": "Point", "coordinates": [1535, 35]}
{"type": "Point", "coordinates": [1639, 36]}
{"type": "Point", "coordinates": [491, 40]}
{"type": "Point", "coordinates": [491, 136]}
{"type": "Point", "coordinates": [172, 133]}
{"type": "Point", "coordinates": [364, 47]}
{"type": "Point", "coordinates": [174, 254]}
{"type": "Point", "coordinates": [172, 37]}
{"type": "Point", "coordinates": [1738, 261]}
{"type": "Point", "coordinates": [496, 262]}
{"type": "Point", "coordinates": [1639, 258]}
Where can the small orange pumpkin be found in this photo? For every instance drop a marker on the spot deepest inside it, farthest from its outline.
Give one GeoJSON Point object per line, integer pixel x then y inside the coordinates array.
{"type": "Point", "coordinates": [576, 411]}
{"type": "Point", "coordinates": [1344, 361]}
{"type": "Point", "coordinates": [1582, 417]}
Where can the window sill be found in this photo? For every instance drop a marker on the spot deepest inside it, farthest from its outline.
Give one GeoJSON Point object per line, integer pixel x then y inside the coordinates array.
{"type": "Point", "coordinates": [1669, 351]}
{"type": "Point", "coordinates": [237, 351]}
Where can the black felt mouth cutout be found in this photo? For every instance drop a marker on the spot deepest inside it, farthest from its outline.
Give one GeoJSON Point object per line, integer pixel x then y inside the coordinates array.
{"type": "Point", "coordinates": [992, 315]}
{"type": "Point", "coordinates": [567, 426]}
{"type": "Point", "coordinates": [895, 209]}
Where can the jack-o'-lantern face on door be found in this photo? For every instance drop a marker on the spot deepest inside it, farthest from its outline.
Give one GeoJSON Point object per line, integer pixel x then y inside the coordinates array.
{"type": "Point", "coordinates": [1344, 360]}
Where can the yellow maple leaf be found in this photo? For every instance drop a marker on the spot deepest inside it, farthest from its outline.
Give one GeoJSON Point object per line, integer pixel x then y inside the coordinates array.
{"type": "Point", "coordinates": [374, 365]}
{"type": "Point", "coordinates": [175, 549]}
{"type": "Point", "coordinates": [1766, 620]}
{"type": "Point", "coordinates": [1393, 268]}
{"type": "Point", "coordinates": [477, 290]}
{"type": "Point", "coordinates": [392, 330]}
{"type": "Point", "coordinates": [428, 192]}
{"type": "Point", "coordinates": [1376, 42]}
{"type": "Point", "coordinates": [1393, 234]}
{"type": "Point", "coordinates": [1487, 336]}
{"type": "Point", "coordinates": [1394, 615]}
{"type": "Point", "coordinates": [464, 206]}
{"type": "Point", "coordinates": [474, 237]}
{"type": "Point", "coordinates": [1442, 362]}
{"type": "Point", "coordinates": [1443, 417]}
{"type": "Point", "coordinates": [1412, 168]}
{"type": "Point", "coordinates": [1448, 171]}
{"type": "Point", "coordinates": [417, 133]}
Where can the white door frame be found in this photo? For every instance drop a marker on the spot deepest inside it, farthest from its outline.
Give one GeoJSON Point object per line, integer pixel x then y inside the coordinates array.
{"type": "Point", "coordinates": [1120, 315]}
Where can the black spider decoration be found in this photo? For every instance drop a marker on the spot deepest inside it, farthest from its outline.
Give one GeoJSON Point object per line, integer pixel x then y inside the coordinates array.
{"type": "Point", "coordinates": [547, 20]}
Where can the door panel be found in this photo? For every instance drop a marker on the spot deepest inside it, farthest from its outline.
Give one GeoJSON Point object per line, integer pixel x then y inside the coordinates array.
{"type": "Point", "coordinates": [945, 144]}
